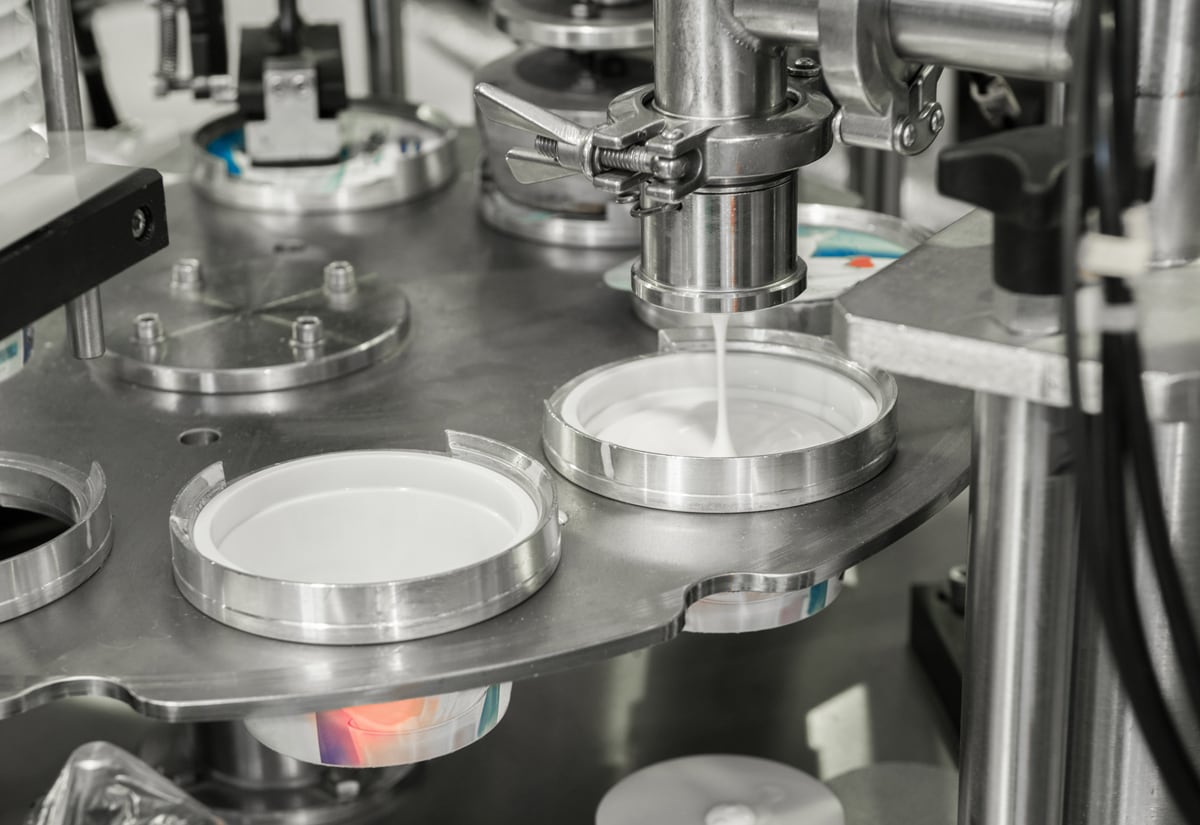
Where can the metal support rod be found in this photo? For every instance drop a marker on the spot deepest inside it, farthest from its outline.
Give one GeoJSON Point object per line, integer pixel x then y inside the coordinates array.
{"type": "Point", "coordinates": [706, 66]}
{"type": "Point", "coordinates": [877, 176]}
{"type": "Point", "coordinates": [385, 48]}
{"type": "Point", "coordinates": [1016, 38]}
{"type": "Point", "coordinates": [1020, 616]}
{"type": "Point", "coordinates": [64, 123]}
{"type": "Point", "coordinates": [1168, 120]}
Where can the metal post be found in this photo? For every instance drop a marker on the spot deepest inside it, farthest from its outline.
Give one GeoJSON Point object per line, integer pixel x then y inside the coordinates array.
{"type": "Point", "coordinates": [385, 48]}
{"type": "Point", "coordinates": [1020, 616]}
{"type": "Point", "coordinates": [64, 123]}
{"type": "Point", "coordinates": [1115, 780]}
{"type": "Point", "coordinates": [707, 66]}
{"type": "Point", "coordinates": [877, 176]}
{"type": "Point", "coordinates": [1168, 120]}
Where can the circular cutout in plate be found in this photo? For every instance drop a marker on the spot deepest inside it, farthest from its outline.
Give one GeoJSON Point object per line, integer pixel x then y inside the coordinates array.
{"type": "Point", "coordinates": [806, 422]}
{"type": "Point", "coordinates": [720, 790]}
{"type": "Point", "coordinates": [391, 733]}
{"type": "Point", "coordinates": [368, 546]}
{"type": "Point", "coordinates": [394, 152]}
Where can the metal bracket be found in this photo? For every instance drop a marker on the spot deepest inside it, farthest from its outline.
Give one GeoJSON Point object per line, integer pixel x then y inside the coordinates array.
{"type": "Point", "coordinates": [885, 103]}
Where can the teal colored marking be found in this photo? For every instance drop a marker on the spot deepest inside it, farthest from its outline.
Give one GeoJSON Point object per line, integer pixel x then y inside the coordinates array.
{"type": "Point", "coordinates": [816, 597]}
{"type": "Point", "coordinates": [225, 146]}
{"type": "Point", "coordinates": [491, 710]}
{"type": "Point", "coordinates": [13, 350]}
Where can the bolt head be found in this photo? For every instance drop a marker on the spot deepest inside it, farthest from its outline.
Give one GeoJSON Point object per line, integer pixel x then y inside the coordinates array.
{"type": "Point", "coordinates": [307, 331]}
{"type": "Point", "coordinates": [937, 119]}
{"type": "Point", "coordinates": [187, 273]}
{"type": "Point", "coordinates": [300, 83]}
{"type": "Point", "coordinates": [672, 134]}
{"type": "Point", "coordinates": [908, 135]}
{"type": "Point", "coordinates": [139, 223]}
{"type": "Point", "coordinates": [148, 329]}
{"type": "Point", "coordinates": [804, 67]}
{"type": "Point", "coordinates": [347, 790]}
{"type": "Point", "coordinates": [582, 10]}
{"type": "Point", "coordinates": [340, 278]}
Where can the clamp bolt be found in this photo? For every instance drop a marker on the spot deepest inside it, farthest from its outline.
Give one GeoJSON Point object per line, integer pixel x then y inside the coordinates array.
{"type": "Point", "coordinates": [672, 134]}
{"type": "Point", "coordinates": [299, 83]}
{"type": "Point", "coordinates": [340, 278]}
{"type": "Point", "coordinates": [804, 67]}
{"type": "Point", "coordinates": [187, 274]}
{"type": "Point", "coordinates": [937, 119]}
{"type": "Point", "coordinates": [908, 135]}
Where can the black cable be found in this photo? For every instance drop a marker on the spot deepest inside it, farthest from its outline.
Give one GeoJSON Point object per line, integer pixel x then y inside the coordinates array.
{"type": "Point", "coordinates": [104, 114]}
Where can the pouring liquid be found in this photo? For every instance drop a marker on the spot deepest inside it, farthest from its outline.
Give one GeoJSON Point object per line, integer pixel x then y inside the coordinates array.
{"type": "Point", "coordinates": [722, 445]}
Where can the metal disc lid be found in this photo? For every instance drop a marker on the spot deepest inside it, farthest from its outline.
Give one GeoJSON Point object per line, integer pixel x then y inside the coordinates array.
{"type": "Point", "coordinates": [590, 26]}
{"type": "Point", "coordinates": [393, 152]}
{"type": "Point", "coordinates": [720, 790]}
{"type": "Point", "coordinates": [249, 325]}
{"type": "Point", "coordinates": [386, 734]}
{"type": "Point", "coordinates": [838, 418]}
{"type": "Point", "coordinates": [368, 546]}
{"type": "Point", "coordinates": [49, 571]}
{"type": "Point", "coordinates": [841, 246]}
{"type": "Point", "coordinates": [749, 612]}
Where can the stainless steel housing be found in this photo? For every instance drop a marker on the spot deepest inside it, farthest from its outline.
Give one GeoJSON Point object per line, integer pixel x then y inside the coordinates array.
{"type": "Point", "coordinates": [49, 571]}
{"type": "Point", "coordinates": [348, 614]}
{"type": "Point", "coordinates": [423, 171]}
{"type": "Point", "coordinates": [727, 485]}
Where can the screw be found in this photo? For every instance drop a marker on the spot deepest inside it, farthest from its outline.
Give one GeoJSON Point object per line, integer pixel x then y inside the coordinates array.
{"type": "Point", "coordinates": [805, 67]}
{"type": "Point", "coordinates": [937, 118]}
{"type": "Point", "coordinates": [148, 329]}
{"type": "Point", "coordinates": [582, 11]}
{"type": "Point", "coordinates": [307, 331]}
{"type": "Point", "coordinates": [300, 83]}
{"type": "Point", "coordinates": [908, 135]}
{"type": "Point", "coordinates": [187, 274]}
{"type": "Point", "coordinates": [672, 134]}
{"type": "Point", "coordinates": [339, 278]}
{"type": "Point", "coordinates": [347, 790]}
{"type": "Point", "coordinates": [139, 223]}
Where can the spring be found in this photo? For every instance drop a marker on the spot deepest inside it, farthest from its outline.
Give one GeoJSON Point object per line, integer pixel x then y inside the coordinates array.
{"type": "Point", "coordinates": [21, 148]}
{"type": "Point", "coordinates": [168, 39]}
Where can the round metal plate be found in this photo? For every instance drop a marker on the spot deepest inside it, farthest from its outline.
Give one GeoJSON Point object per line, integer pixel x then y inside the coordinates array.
{"type": "Point", "coordinates": [236, 333]}
{"type": "Point", "coordinates": [705, 484]}
{"type": "Point", "coordinates": [396, 152]}
{"type": "Point", "coordinates": [615, 229]}
{"type": "Point", "coordinates": [720, 790]}
{"type": "Point", "coordinates": [549, 23]}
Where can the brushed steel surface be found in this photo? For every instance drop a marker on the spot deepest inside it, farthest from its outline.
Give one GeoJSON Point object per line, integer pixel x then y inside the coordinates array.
{"type": "Point", "coordinates": [742, 484]}
{"type": "Point", "coordinates": [498, 324]}
{"type": "Point", "coordinates": [549, 23]}
{"type": "Point", "coordinates": [41, 574]}
{"type": "Point", "coordinates": [391, 611]}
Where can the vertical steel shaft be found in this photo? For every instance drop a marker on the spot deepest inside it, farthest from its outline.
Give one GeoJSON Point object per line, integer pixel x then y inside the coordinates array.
{"type": "Point", "coordinates": [1020, 616]}
{"type": "Point", "coordinates": [385, 48]}
{"type": "Point", "coordinates": [1168, 120]}
{"type": "Point", "coordinates": [707, 65]}
{"type": "Point", "coordinates": [877, 176]}
{"type": "Point", "coordinates": [64, 123]}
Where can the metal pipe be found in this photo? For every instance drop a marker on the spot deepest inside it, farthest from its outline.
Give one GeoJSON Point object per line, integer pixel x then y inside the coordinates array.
{"type": "Point", "coordinates": [707, 66]}
{"type": "Point", "coordinates": [1116, 780]}
{"type": "Point", "coordinates": [385, 48]}
{"type": "Point", "coordinates": [1168, 120]}
{"type": "Point", "coordinates": [878, 177]}
{"type": "Point", "coordinates": [64, 124]}
{"type": "Point", "coordinates": [1015, 38]}
{"type": "Point", "coordinates": [1020, 616]}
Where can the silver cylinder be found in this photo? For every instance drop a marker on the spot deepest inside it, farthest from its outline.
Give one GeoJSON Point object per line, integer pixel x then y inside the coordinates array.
{"type": "Point", "coordinates": [877, 176]}
{"type": "Point", "coordinates": [1168, 120]}
{"type": "Point", "coordinates": [1116, 780]}
{"type": "Point", "coordinates": [706, 65]}
{"type": "Point", "coordinates": [1020, 616]}
{"type": "Point", "coordinates": [1016, 38]}
{"type": "Point", "coordinates": [727, 249]}
{"type": "Point", "coordinates": [385, 48]}
{"type": "Point", "coordinates": [228, 751]}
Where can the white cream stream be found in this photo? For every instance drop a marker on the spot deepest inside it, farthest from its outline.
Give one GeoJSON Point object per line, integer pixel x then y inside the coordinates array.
{"type": "Point", "coordinates": [723, 440]}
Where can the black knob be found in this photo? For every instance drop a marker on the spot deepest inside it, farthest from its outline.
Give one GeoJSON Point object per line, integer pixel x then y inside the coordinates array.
{"type": "Point", "coordinates": [1017, 175]}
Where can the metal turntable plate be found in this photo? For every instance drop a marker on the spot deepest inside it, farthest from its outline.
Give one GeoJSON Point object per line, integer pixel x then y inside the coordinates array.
{"type": "Point", "coordinates": [497, 325]}
{"type": "Point", "coordinates": [550, 23]}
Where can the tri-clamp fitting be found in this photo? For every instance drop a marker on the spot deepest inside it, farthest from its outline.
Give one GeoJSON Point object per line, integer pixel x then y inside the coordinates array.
{"type": "Point", "coordinates": [707, 155]}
